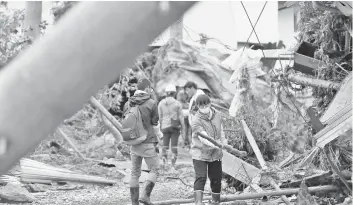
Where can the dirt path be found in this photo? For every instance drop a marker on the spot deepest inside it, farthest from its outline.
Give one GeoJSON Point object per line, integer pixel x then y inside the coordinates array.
{"type": "Point", "coordinates": [119, 194]}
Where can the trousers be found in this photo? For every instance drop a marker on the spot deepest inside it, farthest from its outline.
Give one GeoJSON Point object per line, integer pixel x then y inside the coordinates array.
{"type": "Point", "coordinates": [152, 164]}
{"type": "Point", "coordinates": [170, 136]}
{"type": "Point", "coordinates": [211, 169]}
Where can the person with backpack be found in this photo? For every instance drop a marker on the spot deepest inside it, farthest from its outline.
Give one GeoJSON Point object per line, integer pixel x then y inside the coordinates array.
{"type": "Point", "coordinates": [141, 130]}
{"type": "Point", "coordinates": [207, 158]}
{"type": "Point", "coordinates": [171, 122]}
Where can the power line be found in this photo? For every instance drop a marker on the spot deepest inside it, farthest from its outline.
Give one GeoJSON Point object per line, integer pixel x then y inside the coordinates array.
{"type": "Point", "coordinates": [253, 28]}
{"type": "Point", "coordinates": [258, 18]}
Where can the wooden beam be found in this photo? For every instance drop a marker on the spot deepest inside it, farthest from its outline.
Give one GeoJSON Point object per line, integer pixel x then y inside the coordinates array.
{"type": "Point", "coordinates": [239, 169]}
{"type": "Point", "coordinates": [86, 50]}
{"type": "Point", "coordinates": [228, 198]}
{"type": "Point", "coordinates": [254, 146]}
{"type": "Point", "coordinates": [261, 159]}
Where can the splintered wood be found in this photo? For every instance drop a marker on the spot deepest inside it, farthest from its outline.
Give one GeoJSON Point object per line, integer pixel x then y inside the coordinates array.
{"type": "Point", "coordinates": [37, 172]}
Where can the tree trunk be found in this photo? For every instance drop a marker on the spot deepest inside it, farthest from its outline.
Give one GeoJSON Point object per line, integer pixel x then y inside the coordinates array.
{"type": "Point", "coordinates": [33, 18]}
{"type": "Point", "coordinates": [313, 82]}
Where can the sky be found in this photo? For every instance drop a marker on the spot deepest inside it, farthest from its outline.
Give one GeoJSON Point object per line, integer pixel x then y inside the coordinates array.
{"type": "Point", "coordinates": [223, 20]}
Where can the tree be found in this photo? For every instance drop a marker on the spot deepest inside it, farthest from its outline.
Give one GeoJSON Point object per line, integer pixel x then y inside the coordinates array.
{"type": "Point", "coordinates": [61, 7]}
{"type": "Point", "coordinates": [12, 40]}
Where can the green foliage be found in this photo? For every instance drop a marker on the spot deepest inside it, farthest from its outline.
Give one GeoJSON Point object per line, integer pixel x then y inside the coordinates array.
{"type": "Point", "coordinates": [325, 30]}
{"type": "Point", "coordinates": [61, 7]}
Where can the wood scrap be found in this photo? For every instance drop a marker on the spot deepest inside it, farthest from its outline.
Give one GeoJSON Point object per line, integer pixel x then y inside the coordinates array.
{"type": "Point", "coordinates": [254, 146]}
{"type": "Point", "coordinates": [228, 198]}
{"type": "Point", "coordinates": [338, 172]}
{"type": "Point", "coordinates": [36, 172]}
{"type": "Point", "coordinates": [260, 158]}
{"type": "Point", "coordinates": [312, 180]}
{"type": "Point", "coordinates": [287, 160]}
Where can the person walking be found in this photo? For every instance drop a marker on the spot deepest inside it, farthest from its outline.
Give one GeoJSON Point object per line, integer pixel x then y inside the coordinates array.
{"type": "Point", "coordinates": [192, 91]}
{"type": "Point", "coordinates": [171, 122]}
{"type": "Point", "coordinates": [148, 149]}
{"type": "Point", "coordinates": [207, 158]}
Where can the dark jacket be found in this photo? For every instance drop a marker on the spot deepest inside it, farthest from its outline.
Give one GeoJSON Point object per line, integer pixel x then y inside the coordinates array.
{"type": "Point", "coordinates": [149, 113]}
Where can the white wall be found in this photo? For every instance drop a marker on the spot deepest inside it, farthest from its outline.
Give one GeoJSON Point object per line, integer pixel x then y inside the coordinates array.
{"type": "Point", "coordinates": [286, 26]}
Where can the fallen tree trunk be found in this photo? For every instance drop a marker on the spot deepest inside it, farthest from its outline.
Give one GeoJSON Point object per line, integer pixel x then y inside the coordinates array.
{"type": "Point", "coordinates": [252, 195]}
{"type": "Point", "coordinates": [313, 82]}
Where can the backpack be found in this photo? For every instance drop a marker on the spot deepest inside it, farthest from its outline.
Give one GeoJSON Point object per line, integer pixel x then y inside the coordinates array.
{"type": "Point", "coordinates": [133, 131]}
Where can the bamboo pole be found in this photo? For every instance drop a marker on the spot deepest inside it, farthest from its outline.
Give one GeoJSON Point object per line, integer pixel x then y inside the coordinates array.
{"type": "Point", "coordinates": [226, 147]}
{"type": "Point", "coordinates": [86, 50]}
{"type": "Point", "coordinates": [228, 198]}
{"type": "Point", "coordinates": [70, 143]}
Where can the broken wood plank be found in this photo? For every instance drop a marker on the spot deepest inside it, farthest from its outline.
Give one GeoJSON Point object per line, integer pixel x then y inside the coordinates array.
{"type": "Point", "coordinates": [261, 159]}
{"type": "Point", "coordinates": [70, 143]}
{"type": "Point", "coordinates": [228, 198]}
{"type": "Point", "coordinates": [36, 171]}
{"type": "Point", "coordinates": [254, 146]}
{"type": "Point", "coordinates": [334, 130]}
{"type": "Point", "coordinates": [238, 168]}
{"type": "Point", "coordinates": [342, 100]}
{"type": "Point", "coordinates": [337, 171]}
{"type": "Point", "coordinates": [313, 180]}
{"type": "Point", "coordinates": [309, 158]}
{"type": "Point", "coordinates": [287, 160]}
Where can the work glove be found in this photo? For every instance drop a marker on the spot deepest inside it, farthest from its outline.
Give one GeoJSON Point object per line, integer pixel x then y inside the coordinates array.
{"type": "Point", "coordinates": [243, 153]}
{"type": "Point", "coordinates": [206, 142]}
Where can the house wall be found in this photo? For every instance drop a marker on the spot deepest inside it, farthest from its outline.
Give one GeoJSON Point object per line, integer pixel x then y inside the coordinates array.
{"type": "Point", "coordinates": [286, 26]}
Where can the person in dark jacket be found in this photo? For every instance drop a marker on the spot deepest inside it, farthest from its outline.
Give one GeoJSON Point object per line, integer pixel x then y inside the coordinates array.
{"type": "Point", "coordinates": [207, 158]}
{"type": "Point", "coordinates": [148, 149]}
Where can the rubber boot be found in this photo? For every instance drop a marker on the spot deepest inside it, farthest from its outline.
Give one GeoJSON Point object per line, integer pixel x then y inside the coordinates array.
{"type": "Point", "coordinates": [198, 197]}
{"type": "Point", "coordinates": [146, 193]}
{"type": "Point", "coordinates": [165, 161]}
{"type": "Point", "coordinates": [134, 194]}
{"type": "Point", "coordinates": [174, 159]}
{"type": "Point", "coordinates": [216, 199]}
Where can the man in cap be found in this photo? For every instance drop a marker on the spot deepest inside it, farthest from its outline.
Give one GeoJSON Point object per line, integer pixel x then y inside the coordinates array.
{"type": "Point", "coordinates": [148, 149]}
